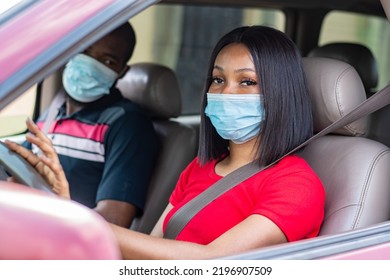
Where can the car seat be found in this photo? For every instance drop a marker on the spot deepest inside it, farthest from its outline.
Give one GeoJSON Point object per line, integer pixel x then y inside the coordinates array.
{"type": "Point", "coordinates": [353, 168]}
{"type": "Point", "coordinates": [356, 55]}
{"type": "Point", "coordinates": [155, 88]}
{"type": "Point", "coordinates": [362, 59]}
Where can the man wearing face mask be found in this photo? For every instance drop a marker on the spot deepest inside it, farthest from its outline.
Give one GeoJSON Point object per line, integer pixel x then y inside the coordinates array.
{"type": "Point", "coordinates": [105, 143]}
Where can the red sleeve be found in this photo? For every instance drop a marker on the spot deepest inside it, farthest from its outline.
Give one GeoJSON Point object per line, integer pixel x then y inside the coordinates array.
{"type": "Point", "coordinates": [294, 201]}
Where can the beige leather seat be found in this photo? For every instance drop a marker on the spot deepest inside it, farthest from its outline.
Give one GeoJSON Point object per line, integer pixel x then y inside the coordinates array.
{"type": "Point", "coordinates": [362, 59]}
{"type": "Point", "coordinates": [156, 89]}
{"type": "Point", "coordinates": [356, 55]}
{"type": "Point", "coordinates": [354, 170]}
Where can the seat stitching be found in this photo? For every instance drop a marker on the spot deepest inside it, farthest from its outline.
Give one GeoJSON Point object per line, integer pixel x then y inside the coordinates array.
{"type": "Point", "coordinates": [339, 103]}
{"type": "Point", "coordinates": [369, 175]}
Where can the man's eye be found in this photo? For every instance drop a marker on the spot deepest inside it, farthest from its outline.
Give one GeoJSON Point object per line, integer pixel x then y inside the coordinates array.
{"type": "Point", "coordinates": [108, 62]}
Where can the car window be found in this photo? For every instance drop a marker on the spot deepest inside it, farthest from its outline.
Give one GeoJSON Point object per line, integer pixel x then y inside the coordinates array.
{"type": "Point", "coordinates": [13, 117]}
{"type": "Point", "coordinates": [371, 31]}
{"type": "Point", "coordinates": [182, 38]}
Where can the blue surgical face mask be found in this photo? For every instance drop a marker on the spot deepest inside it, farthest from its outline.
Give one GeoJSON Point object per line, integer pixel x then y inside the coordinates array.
{"type": "Point", "coordinates": [85, 79]}
{"type": "Point", "coordinates": [236, 117]}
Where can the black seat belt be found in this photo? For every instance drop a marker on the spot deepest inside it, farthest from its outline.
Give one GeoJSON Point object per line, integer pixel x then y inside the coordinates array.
{"type": "Point", "coordinates": [182, 216]}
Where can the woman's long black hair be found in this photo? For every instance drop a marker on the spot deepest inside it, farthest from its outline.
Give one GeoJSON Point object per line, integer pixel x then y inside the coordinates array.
{"type": "Point", "coordinates": [288, 117]}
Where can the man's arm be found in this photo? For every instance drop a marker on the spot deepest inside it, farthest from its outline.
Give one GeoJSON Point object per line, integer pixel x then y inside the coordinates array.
{"type": "Point", "coordinates": [130, 153]}
{"type": "Point", "coordinates": [116, 212]}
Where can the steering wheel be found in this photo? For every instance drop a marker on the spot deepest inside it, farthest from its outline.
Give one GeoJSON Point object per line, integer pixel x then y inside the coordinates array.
{"type": "Point", "coordinates": [21, 170]}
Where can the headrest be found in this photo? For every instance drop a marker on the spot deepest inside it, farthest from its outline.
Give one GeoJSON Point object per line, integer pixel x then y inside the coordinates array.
{"type": "Point", "coordinates": [335, 89]}
{"type": "Point", "coordinates": [359, 56]}
{"type": "Point", "coordinates": [154, 87]}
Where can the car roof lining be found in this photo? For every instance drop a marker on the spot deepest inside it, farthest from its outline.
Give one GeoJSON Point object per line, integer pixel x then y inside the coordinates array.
{"type": "Point", "coordinates": [366, 6]}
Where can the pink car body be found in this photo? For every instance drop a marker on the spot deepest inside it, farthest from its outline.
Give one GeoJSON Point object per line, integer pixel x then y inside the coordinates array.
{"type": "Point", "coordinates": [29, 35]}
{"type": "Point", "coordinates": [40, 226]}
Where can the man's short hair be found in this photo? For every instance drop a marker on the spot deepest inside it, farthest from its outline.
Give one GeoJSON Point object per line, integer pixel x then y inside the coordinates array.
{"type": "Point", "coordinates": [127, 32]}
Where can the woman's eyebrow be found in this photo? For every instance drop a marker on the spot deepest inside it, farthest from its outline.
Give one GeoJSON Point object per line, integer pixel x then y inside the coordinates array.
{"type": "Point", "coordinates": [219, 68]}
{"type": "Point", "coordinates": [244, 70]}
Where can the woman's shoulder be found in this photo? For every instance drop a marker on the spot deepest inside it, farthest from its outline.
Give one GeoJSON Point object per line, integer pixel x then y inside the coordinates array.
{"type": "Point", "coordinates": [195, 166]}
{"type": "Point", "coordinates": [292, 163]}
{"type": "Point", "coordinates": [294, 170]}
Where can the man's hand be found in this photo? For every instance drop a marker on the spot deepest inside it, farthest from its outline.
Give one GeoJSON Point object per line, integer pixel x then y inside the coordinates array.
{"type": "Point", "coordinates": [47, 164]}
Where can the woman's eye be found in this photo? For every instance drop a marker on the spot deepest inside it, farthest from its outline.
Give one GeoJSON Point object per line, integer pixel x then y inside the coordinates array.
{"type": "Point", "coordinates": [217, 80]}
{"type": "Point", "coordinates": [249, 83]}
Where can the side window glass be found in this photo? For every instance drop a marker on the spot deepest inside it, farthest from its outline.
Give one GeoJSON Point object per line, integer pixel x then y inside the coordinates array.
{"type": "Point", "coordinates": [370, 31]}
{"type": "Point", "coordinates": [182, 39]}
{"type": "Point", "coordinates": [13, 117]}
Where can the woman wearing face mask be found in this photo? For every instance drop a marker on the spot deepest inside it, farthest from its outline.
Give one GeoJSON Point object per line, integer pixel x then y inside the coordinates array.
{"type": "Point", "coordinates": [255, 108]}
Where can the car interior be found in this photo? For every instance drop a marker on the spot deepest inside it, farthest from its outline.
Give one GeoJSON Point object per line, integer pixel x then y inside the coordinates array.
{"type": "Point", "coordinates": [352, 162]}
{"type": "Point", "coordinates": [155, 88]}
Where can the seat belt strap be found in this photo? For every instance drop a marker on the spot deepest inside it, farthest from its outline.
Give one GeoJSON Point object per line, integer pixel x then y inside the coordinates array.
{"type": "Point", "coordinates": [55, 105]}
{"type": "Point", "coordinates": [182, 216]}
{"type": "Point", "coordinates": [180, 219]}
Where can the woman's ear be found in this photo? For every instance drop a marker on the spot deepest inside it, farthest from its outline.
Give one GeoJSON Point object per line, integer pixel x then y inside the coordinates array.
{"type": "Point", "coordinates": [124, 71]}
